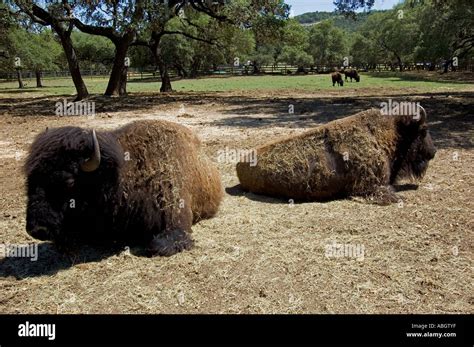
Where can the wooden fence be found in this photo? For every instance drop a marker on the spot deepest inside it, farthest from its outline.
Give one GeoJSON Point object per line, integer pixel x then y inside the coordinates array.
{"type": "Point", "coordinates": [226, 70]}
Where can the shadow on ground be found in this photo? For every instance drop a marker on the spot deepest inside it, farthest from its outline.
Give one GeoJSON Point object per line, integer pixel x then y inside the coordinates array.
{"type": "Point", "coordinates": [238, 191]}
{"type": "Point", "coordinates": [449, 114]}
{"type": "Point", "coordinates": [50, 261]}
{"type": "Point", "coordinates": [425, 76]}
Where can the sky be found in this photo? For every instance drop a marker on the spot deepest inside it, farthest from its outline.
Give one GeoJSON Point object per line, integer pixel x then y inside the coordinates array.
{"type": "Point", "coordinates": [303, 6]}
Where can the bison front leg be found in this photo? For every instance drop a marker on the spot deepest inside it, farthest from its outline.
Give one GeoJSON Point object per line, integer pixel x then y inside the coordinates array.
{"type": "Point", "coordinates": [175, 235]}
{"type": "Point", "coordinates": [384, 195]}
{"type": "Point", "coordinates": [170, 242]}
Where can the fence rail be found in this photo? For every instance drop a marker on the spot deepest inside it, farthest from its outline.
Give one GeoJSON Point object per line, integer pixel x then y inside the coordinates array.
{"type": "Point", "coordinates": [147, 73]}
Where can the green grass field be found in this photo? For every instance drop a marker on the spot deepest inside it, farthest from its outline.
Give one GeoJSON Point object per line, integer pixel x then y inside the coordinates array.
{"type": "Point", "coordinates": [308, 83]}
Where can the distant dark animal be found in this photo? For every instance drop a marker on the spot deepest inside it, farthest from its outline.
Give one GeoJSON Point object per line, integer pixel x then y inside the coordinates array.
{"type": "Point", "coordinates": [361, 155]}
{"type": "Point", "coordinates": [352, 74]}
{"type": "Point", "coordinates": [144, 184]}
{"type": "Point", "coordinates": [337, 78]}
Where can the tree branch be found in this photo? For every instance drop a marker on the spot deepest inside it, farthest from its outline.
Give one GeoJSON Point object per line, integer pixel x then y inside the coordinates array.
{"type": "Point", "coordinates": [192, 37]}
{"type": "Point", "coordinates": [108, 32]}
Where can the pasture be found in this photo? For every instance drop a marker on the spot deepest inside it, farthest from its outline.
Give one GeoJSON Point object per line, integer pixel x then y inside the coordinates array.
{"type": "Point", "coordinates": [259, 254]}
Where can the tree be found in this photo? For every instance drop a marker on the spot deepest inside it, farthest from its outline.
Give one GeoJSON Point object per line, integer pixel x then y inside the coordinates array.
{"type": "Point", "coordinates": [365, 52]}
{"type": "Point", "coordinates": [348, 7]}
{"type": "Point", "coordinates": [93, 52]}
{"type": "Point", "coordinates": [142, 23]}
{"type": "Point", "coordinates": [267, 25]}
{"type": "Point", "coordinates": [328, 44]}
{"type": "Point", "coordinates": [57, 16]}
{"type": "Point", "coordinates": [446, 27]}
{"type": "Point", "coordinates": [120, 22]}
{"type": "Point", "coordinates": [295, 45]}
{"type": "Point", "coordinates": [6, 22]}
{"type": "Point", "coordinates": [446, 30]}
{"type": "Point", "coordinates": [35, 51]}
{"type": "Point", "coordinates": [394, 33]}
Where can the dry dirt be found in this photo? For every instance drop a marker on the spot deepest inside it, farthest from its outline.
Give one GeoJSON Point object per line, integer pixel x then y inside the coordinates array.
{"type": "Point", "coordinates": [259, 255]}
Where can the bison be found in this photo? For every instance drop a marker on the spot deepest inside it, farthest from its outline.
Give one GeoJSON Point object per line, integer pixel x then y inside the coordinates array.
{"type": "Point", "coordinates": [352, 74]}
{"type": "Point", "coordinates": [144, 184]}
{"type": "Point", "coordinates": [361, 155]}
{"type": "Point", "coordinates": [337, 78]}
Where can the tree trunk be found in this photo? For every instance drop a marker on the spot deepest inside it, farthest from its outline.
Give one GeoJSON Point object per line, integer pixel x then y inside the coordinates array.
{"type": "Point", "coordinates": [195, 67]}
{"type": "Point", "coordinates": [165, 78]}
{"type": "Point", "coordinates": [66, 42]}
{"type": "Point", "coordinates": [73, 64]}
{"type": "Point", "coordinates": [20, 79]}
{"type": "Point", "coordinates": [256, 68]}
{"type": "Point", "coordinates": [116, 80]}
{"type": "Point", "coordinates": [181, 71]}
{"type": "Point", "coordinates": [38, 79]}
{"type": "Point", "coordinates": [123, 81]}
{"type": "Point", "coordinates": [400, 63]}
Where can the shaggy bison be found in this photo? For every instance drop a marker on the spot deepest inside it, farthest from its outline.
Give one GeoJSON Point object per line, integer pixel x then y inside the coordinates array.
{"type": "Point", "coordinates": [361, 155]}
{"type": "Point", "coordinates": [144, 184]}
{"type": "Point", "coordinates": [337, 78]}
{"type": "Point", "coordinates": [352, 74]}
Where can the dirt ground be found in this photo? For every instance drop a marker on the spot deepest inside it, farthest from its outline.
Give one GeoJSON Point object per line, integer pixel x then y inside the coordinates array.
{"type": "Point", "coordinates": [259, 255]}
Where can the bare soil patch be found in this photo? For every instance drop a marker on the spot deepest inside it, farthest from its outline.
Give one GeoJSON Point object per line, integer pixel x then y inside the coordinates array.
{"type": "Point", "coordinates": [259, 255]}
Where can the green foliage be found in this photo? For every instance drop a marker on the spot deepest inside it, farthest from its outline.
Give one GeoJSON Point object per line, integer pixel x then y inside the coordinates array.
{"type": "Point", "coordinates": [259, 31]}
{"type": "Point", "coordinates": [446, 29]}
{"type": "Point", "coordinates": [364, 51]}
{"type": "Point", "coordinates": [37, 51]}
{"type": "Point", "coordinates": [327, 43]}
{"type": "Point", "coordinates": [295, 45]}
{"type": "Point", "coordinates": [349, 24]}
{"type": "Point", "coordinates": [93, 51]}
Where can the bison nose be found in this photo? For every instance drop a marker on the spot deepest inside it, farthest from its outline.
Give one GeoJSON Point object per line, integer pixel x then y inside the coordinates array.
{"type": "Point", "coordinates": [39, 232]}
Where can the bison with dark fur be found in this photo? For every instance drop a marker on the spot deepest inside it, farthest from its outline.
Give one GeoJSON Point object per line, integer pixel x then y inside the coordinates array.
{"type": "Point", "coordinates": [361, 155]}
{"type": "Point", "coordinates": [144, 184]}
{"type": "Point", "coordinates": [337, 78]}
{"type": "Point", "coordinates": [352, 74]}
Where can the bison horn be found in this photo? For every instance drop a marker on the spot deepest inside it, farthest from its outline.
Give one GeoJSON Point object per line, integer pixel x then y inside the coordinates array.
{"type": "Point", "coordinates": [93, 162]}
{"type": "Point", "coordinates": [422, 117]}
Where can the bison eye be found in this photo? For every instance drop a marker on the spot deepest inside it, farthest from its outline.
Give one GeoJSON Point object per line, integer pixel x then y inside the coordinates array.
{"type": "Point", "coordinates": [70, 183]}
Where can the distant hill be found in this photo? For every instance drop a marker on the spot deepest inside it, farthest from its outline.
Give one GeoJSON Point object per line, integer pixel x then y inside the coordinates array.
{"type": "Point", "coordinates": [348, 24]}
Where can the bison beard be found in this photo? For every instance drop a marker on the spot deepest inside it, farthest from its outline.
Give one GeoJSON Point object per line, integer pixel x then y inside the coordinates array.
{"type": "Point", "coordinates": [143, 184]}
{"type": "Point", "coordinates": [361, 155]}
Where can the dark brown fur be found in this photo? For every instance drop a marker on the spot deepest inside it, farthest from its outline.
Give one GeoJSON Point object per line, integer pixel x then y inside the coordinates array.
{"type": "Point", "coordinates": [352, 74]}
{"type": "Point", "coordinates": [337, 78]}
{"type": "Point", "coordinates": [153, 183]}
{"type": "Point", "coordinates": [359, 155]}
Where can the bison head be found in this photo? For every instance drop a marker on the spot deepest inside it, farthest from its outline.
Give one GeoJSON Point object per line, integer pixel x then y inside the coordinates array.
{"type": "Point", "coordinates": [69, 170]}
{"type": "Point", "coordinates": [417, 146]}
